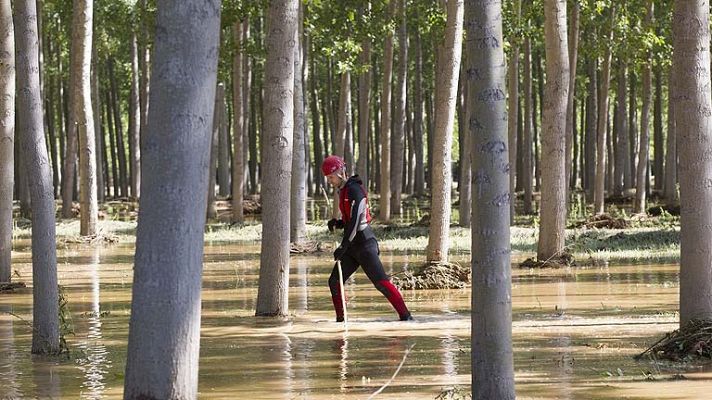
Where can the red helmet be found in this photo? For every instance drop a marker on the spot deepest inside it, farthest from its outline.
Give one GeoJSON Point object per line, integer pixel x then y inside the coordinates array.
{"type": "Point", "coordinates": [332, 164]}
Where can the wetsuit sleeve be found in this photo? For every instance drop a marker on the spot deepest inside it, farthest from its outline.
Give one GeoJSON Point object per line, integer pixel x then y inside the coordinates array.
{"type": "Point", "coordinates": [357, 200]}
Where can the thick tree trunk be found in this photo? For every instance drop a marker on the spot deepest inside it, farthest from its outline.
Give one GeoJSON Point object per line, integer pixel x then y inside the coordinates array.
{"type": "Point", "coordinates": [528, 142]}
{"type": "Point", "coordinates": [693, 102]}
{"type": "Point", "coordinates": [399, 100]}
{"type": "Point", "coordinates": [272, 295]}
{"type": "Point", "coordinates": [602, 126]}
{"type": "Point", "coordinates": [553, 133]}
{"type": "Point", "coordinates": [385, 130]}
{"type": "Point", "coordinates": [45, 308]}
{"type": "Point", "coordinates": [298, 198]}
{"type": "Point", "coordinates": [238, 140]}
{"type": "Point", "coordinates": [84, 115]}
{"type": "Point", "coordinates": [164, 331]}
{"type": "Point", "coordinates": [658, 140]}
{"type": "Point", "coordinates": [642, 170]}
{"type": "Point", "coordinates": [449, 52]}
{"type": "Point", "coordinates": [135, 123]}
{"type": "Point", "coordinates": [513, 113]}
{"type": "Point", "coordinates": [591, 128]}
{"type": "Point", "coordinates": [492, 360]}
{"type": "Point", "coordinates": [570, 120]}
{"type": "Point", "coordinates": [419, 185]}
{"type": "Point", "coordinates": [7, 137]}
{"type": "Point", "coordinates": [621, 171]}
{"type": "Point", "coordinates": [670, 193]}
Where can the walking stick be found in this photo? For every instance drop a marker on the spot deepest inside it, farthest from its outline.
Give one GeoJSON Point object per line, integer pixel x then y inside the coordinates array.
{"type": "Point", "coordinates": [341, 290]}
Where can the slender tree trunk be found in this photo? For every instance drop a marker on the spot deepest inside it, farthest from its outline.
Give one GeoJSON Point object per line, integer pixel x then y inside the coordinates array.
{"type": "Point", "coordinates": [364, 106]}
{"type": "Point", "coordinates": [272, 295]}
{"type": "Point", "coordinates": [658, 141]}
{"type": "Point", "coordinates": [144, 67]}
{"type": "Point", "coordinates": [449, 53]}
{"type": "Point", "coordinates": [632, 132]}
{"type": "Point", "coordinates": [98, 128]}
{"type": "Point", "coordinates": [553, 133]}
{"type": "Point", "coordinates": [212, 211]}
{"type": "Point", "coordinates": [164, 331]}
{"type": "Point", "coordinates": [464, 187]}
{"type": "Point", "coordinates": [602, 125]}
{"type": "Point", "coordinates": [538, 124]}
{"type": "Point", "coordinates": [135, 123]}
{"type": "Point", "coordinates": [492, 360]}
{"type": "Point", "coordinates": [570, 120]}
{"type": "Point", "coordinates": [399, 100]}
{"type": "Point", "coordinates": [70, 150]}
{"type": "Point", "coordinates": [298, 212]}
{"type": "Point", "coordinates": [45, 309]}
{"type": "Point", "coordinates": [7, 136]}
{"type": "Point", "coordinates": [238, 161]}
{"type": "Point", "coordinates": [223, 155]}
{"type": "Point", "coordinates": [642, 171]}
{"type": "Point", "coordinates": [620, 128]}
{"type": "Point", "coordinates": [120, 148]}
{"type": "Point", "coordinates": [591, 128]}
{"type": "Point", "coordinates": [342, 132]}
{"type": "Point", "coordinates": [319, 150]}
{"type": "Point", "coordinates": [419, 186]}
{"type": "Point", "coordinates": [670, 193]}
{"type": "Point", "coordinates": [385, 130]}
{"type": "Point", "coordinates": [691, 76]}
{"type": "Point", "coordinates": [513, 112]}
{"type": "Point", "coordinates": [112, 145]}
{"type": "Point", "coordinates": [527, 146]}
{"type": "Point", "coordinates": [84, 115]}
{"type": "Point", "coordinates": [50, 114]}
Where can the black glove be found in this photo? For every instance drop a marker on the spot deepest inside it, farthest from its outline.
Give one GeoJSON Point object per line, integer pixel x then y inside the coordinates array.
{"type": "Point", "coordinates": [339, 253]}
{"type": "Point", "coordinates": [335, 223]}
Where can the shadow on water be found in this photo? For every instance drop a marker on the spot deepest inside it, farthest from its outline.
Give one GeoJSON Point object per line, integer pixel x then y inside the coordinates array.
{"type": "Point", "coordinates": [574, 331]}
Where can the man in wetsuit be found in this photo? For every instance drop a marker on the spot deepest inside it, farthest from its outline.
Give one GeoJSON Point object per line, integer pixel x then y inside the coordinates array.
{"type": "Point", "coordinates": [359, 246]}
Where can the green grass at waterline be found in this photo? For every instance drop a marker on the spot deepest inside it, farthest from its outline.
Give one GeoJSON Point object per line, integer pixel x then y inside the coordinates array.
{"type": "Point", "coordinates": [636, 244]}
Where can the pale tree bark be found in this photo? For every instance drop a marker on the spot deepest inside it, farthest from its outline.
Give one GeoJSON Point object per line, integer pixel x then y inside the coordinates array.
{"type": "Point", "coordinates": [670, 193]}
{"type": "Point", "coordinates": [464, 187]}
{"type": "Point", "coordinates": [144, 66]}
{"type": "Point", "coordinates": [342, 131]}
{"type": "Point", "coordinates": [553, 135]}
{"type": "Point", "coordinates": [98, 128]}
{"type": "Point", "coordinates": [642, 170]}
{"type": "Point", "coordinates": [298, 195]}
{"type": "Point", "coordinates": [364, 118]}
{"type": "Point", "coordinates": [513, 110]}
{"type": "Point", "coordinates": [238, 139]}
{"type": "Point", "coordinates": [385, 130]}
{"type": "Point", "coordinates": [492, 360]}
{"type": "Point", "coordinates": [399, 109]}
{"type": "Point", "coordinates": [449, 52]}
{"type": "Point", "coordinates": [693, 102]}
{"type": "Point", "coordinates": [591, 125]}
{"type": "Point", "coordinates": [419, 185]}
{"type": "Point", "coordinates": [621, 172]}
{"type": "Point", "coordinates": [164, 330]}
{"type": "Point", "coordinates": [223, 155]}
{"type": "Point", "coordinates": [570, 121]}
{"type": "Point", "coordinates": [528, 145]}
{"type": "Point", "coordinates": [45, 309]}
{"type": "Point", "coordinates": [84, 115]}
{"type": "Point", "coordinates": [70, 150]}
{"type": "Point", "coordinates": [658, 141]}
{"type": "Point", "coordinates": [602, 125]}
{"type": "Point", "coordinates": [7, 136]}
{"type": "Point", "coordinates": [273, 292]}
{"type": "Point", "coordinates": [134, 123]}
{"type": "Point", "coordinates": [632, 131]}
{"type": "Point", "coordinates": [212, 211]}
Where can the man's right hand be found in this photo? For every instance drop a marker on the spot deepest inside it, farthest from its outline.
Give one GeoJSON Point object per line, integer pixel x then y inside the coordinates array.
{"type": "Point", "coordinates": [335, 224]}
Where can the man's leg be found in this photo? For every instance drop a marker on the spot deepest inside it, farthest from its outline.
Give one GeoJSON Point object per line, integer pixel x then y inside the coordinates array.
{"type": "Point", "coordinates": [348, 267]}
{"type": "Point", "coordinates": [371, 263]}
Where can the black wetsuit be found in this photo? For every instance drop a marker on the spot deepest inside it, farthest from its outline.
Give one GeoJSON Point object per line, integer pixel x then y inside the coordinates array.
{"type": "Point", "coordinates": [360, 248]}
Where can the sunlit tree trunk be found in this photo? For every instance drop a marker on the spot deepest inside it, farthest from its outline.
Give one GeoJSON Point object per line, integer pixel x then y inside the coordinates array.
{"type": "Point", "coordinates": [602, 125]}
{"type": "Point", "coordinates": [238, 140]}
{"type": "Point", "coordinates": [642, 170]}
{"type": "Point", "coordinates": [621, 172]}
{"type": "Point", "coordinates": [492, 360]}
{"type": "Point", "coordinates": [272, 295]}
{"type": "Point", "coordinates": [298, 196]}
{"type": "Point", "coordinates": [693, 102]}
{"type": "Point", "coordinates": [144, 67]}
{"type": "Point", "coordinates": [591, 126]}
{"type": "Point", "coordinates": [7, 136]}
{"type": "Point", "coordinates": [464, 187]}
{"type": "Point", "coordinates": [164, 330]}
{"type": "Point", "coordinates": [670, 193]}
{"type": "Point", "coordinates": [570, 121]}
{"type": "Point", "coordinates": [513, 111]}
{"type": "Point", "coordinates": [632, 131]}
{"type": "Point", "coordinates": [399, 109]}
{"type": "Point", "coordinates": [553, 135]}
{"type": "Point", "coordinates": [212, 211]}
{"type": "Point", "coordinates": [528, 145]}
{"type": "Point", "coordinates": [84, 115]}
{"type": "Point", "coordinates": [98, 128]}
{"type": "Point", "coordinates": [449, 52]}
{"type": "Point", "coordinates": [45, 309]}
{"type": "Point", "coordinates": [385, 130]}
{"type": "Point", "coordinates": [364, 105]}
{"type": "Point", "coordinates": [342, 131]}
{"type": "Point", "coordinates": [135, 123]}
{"type": "Point", "coordinates": [658, 141]}
{"type": "Point", "coordinates": [419, 184]}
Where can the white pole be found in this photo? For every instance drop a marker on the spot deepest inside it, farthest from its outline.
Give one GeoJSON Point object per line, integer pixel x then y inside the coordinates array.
{"type": "Point", "coordinates": [341, 289]}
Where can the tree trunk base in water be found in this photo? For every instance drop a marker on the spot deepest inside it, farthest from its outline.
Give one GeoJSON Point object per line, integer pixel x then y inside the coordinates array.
{"type": "Point", "coordinates": [562, 260]}
{"type": "Point", "coordinates": [692, 342]}
{"type": "Point", "coordinates": [440, 275]}
{"type": "Point", "coordinates": [9, 287]}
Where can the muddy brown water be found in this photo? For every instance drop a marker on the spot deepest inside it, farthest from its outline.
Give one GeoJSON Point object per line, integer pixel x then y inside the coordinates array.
{"type": "Point", "coordinates": [574, 332]}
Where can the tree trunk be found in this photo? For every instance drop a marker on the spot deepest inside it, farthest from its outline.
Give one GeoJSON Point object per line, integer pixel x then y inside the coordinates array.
{"type": "Point", "coordinates": [164, 330]}
{"type": "Point", "coordinates": [70, 150]}
{"type": "Point", "coordinates": [135, 123]}
{"type": "Point", "coordinates": [238, 140]}
{"type": "Point", "coordinates": [364, 93]}
{"type": "Point", "coordinates": [399, 100]}
{"type": "Point", "coordinates": [691, 75]}
{"type": "Point", "coordinates": [342, 132]}
{"type": "Point", "coordinates": [670, 193]}
{"type": "Point", "coordinates": [620, 128]}
{"type": "Point", "coordinates": [144, 67]}
{"type": "Point", "coordinates": [246, 93]}
{"type": "Point", "coordinates": [492, 360]}
{"type": "Point", "coordinates": [223, 155]}
{"type": "Point", "coordinates": [385, 130]}
{"type": "Point", "coordinates": [98, 128]}
{"type": "Point", "coordinates": [7, 137]}
{"type": "Point", "coordinates": [464, 187]}
{"type": "Point", "coordinates": [553, 133]}
{"type": "Point", "coordinates": [449, 52]}
{"type": "Point", "coordinates": [527, 146]}
{"type": "Point", "coordinates": [119, 130]}
{"type": "Point", "coordinates": [212, 211]}
{"type": "Point", "coordinates": [50, 114]}
{"type": "Point", "coordinates": [419, 184]}
{"type": "Point", "coordinates": [272, 295]}
{"type": "Point", "coordinates": [658, 141]}
{"type": "Point", "coordinates": [84, 115]}
{"type": "Point", "coordinates": [602, 125]}
{"type": "Point", "coordinates": [45, 309]}
{"type": "Point", "coordinates": [513, 112]}
{"type": "Point", "coordinates": [642, 170]}
{"type": "Point", "coordinates": [319, 150]}
{"type": "Point", "coordinates": [298, 210]}
{"type": "Point", "coordinates": [591, 128]}
{"type": "Point", "coordinates": [570, 120]}
{"type": "Point", "coordinates": [112, 145]}
{"type": "Point", "coordinates": [632, 132]}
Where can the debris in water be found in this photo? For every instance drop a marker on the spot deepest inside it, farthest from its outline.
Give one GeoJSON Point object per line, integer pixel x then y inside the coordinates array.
{"type": "Point", "coordinates": [306, 247]}
{"type": "Point", "coordinates": [691, 342]}
{"type": "Point", "coordinates": [434, 276]}
{"type": "Point", "coordinates": [561, 260]}
{"type": "Point", "coordinates": [98, 238]}
{"type": "Point", "coordinates": [606, 221]}
{"type": "Point", "coordinates": [10, 286]}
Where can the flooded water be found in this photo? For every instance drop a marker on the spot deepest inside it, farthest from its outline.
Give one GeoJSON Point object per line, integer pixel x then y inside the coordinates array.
{"type": "Point", "coordinates": [575, 332]}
